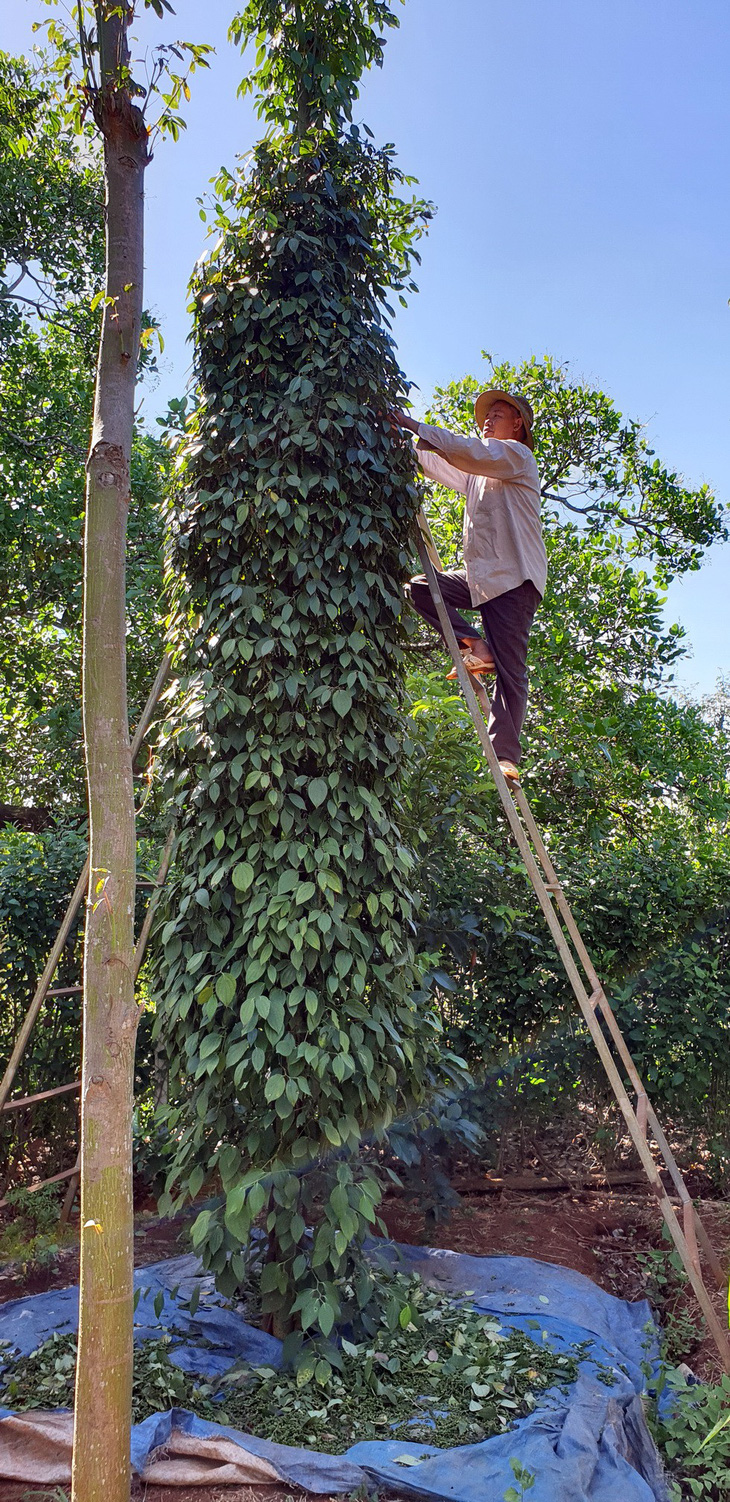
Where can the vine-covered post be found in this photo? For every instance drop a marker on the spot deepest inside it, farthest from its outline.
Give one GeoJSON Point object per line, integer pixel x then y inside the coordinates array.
{"type": "Point", "coordinates": [290, 995]}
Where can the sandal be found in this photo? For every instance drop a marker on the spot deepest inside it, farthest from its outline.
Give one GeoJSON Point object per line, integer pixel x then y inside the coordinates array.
{"type": "Point", "coordinates": [510, 772]}
{"type": "Point", "coordinates": [473, 664]}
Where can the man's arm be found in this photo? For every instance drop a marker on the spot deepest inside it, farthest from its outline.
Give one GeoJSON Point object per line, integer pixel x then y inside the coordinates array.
{"type": "Point", "coordinates": [434, 465]}
{"type": "Point", "coordinates": [476, 456]}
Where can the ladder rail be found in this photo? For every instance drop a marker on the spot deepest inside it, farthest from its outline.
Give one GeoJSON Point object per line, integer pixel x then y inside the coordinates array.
{"type": "Point", "coordinates": [21, 1102]}
{"type": "Point", "coordinates": [683, 1236]}
{"type": "Point", "coordinates": [645, 1110]}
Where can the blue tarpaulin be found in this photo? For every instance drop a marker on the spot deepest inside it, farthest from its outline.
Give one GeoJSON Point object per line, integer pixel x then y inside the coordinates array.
{"type": "Point", "coordinates": [591, 1445]}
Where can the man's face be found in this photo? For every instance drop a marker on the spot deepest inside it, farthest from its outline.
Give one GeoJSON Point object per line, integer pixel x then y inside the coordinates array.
{"type": "Point", "coordinates": [502, 421]}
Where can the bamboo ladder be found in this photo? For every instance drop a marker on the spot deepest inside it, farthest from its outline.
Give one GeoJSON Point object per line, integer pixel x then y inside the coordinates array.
{"type": "Point", "coordinates": [688, 1234]}
{"type": "Point", "coordinates": [44, 988]}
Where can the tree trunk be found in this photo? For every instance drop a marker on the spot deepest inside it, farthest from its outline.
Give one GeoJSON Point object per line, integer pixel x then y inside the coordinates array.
{"type": "Point", "coordinates": [101, 1465]}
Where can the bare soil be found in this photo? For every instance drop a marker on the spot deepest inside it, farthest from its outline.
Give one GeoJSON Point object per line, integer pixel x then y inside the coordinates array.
{"type": "Point", "coordinates": [154, 1239]}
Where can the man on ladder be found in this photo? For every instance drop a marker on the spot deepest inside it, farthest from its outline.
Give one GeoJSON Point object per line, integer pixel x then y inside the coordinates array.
{"type": "Point", "coordinates": [505, 564]}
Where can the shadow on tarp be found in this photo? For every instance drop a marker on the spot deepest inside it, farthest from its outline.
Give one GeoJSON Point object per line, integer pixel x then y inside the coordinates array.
{"type": "Point", "coordinates": [591, 1445]}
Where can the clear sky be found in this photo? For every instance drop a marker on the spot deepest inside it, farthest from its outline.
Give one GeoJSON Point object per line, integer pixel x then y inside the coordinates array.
{"type": "Point", "coordinates": [578, 152]}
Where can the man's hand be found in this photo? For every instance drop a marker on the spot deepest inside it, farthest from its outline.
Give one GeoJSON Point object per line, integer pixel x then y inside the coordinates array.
{"type": "Point", "coordinates": [402, 420]}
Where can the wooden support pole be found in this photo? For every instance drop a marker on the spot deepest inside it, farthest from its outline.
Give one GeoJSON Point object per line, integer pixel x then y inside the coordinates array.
{"type": "Point", "coordinates": [71, 1192]}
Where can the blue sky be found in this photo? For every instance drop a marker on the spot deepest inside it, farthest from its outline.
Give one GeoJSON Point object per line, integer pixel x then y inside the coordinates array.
{"type": "Point", "coordinates": [579, 155]}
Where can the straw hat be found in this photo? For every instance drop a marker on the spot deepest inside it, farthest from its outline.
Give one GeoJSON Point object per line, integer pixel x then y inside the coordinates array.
{"type": "Point", "coordinates": [486, 399]}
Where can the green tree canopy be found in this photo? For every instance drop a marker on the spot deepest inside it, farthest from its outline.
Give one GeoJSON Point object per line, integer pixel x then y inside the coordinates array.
{"type": "Point", "coordinates": [310, 56]}
{"type": "Point", "coordinates": [51, 208]}
{"type": "Point", "coordinates": [51, 266]}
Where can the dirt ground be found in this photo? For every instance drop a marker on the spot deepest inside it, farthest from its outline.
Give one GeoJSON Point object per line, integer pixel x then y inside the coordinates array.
{"type": "Point", "coordinates": [599, 1233]}
{"type": "Point", "coordinates": [154, 1239]}
{"type": "Point", "coordinates": [596, 1233]}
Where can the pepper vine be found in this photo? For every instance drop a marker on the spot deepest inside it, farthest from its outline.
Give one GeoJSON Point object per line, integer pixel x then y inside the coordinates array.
{"type": "Point", "coordinates": [290, 994]}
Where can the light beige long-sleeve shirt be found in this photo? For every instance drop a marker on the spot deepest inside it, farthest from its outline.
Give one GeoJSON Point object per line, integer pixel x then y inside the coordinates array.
{"type": "Point", "coordinates": [503, 543]}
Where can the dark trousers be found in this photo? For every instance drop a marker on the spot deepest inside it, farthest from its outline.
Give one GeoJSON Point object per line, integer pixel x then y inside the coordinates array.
{"type": "Point", "coordinates": [506, 620]}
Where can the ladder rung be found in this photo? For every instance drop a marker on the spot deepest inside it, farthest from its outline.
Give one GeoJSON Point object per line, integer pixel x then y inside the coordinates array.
{"type": "Point", "coordinates": [595, 997]}
{"type": "Point", "coordinates": [31, 1100]}
{"type": "Point", "coordinates": [64, 991]}
{"type": "Point", "coordinates": [58, 1178]}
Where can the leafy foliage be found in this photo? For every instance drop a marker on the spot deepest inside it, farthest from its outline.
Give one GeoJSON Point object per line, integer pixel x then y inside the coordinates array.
{"type": "Point", "coordinates": [51, 267]}
{"type": "Point", "coordinates": [41, 517]}
{"type": "Point", "coordinates": [667, 1287]}
{"type": "Point", "coordinates": [45, 1379]}
{"type": "Point", "coordinates": [420, 1145]}
{"type": "Point", "coordinates": [310, 56]}
{"type": "Point", "coordinates": [38, 873]}
{"type": "Point", "coordinates": [288, 957]}
{"type": "Point", "coordinates": [675, 1012]}
{"type": "Point", "coordinates": [433, 1372]}
{"type": "Point", "coordinates": [51, 219]}
{"type": "Point", "coordinates": [37, 876]}
{"type": "Point", "coordinates": [32, 1238]}
{"type": "Point", "coordinates": [525, 1481]}
{"type": "Point", "coordinates": [38, 1212]}
{"type": "Point", "coordinates": [694, 1436]}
